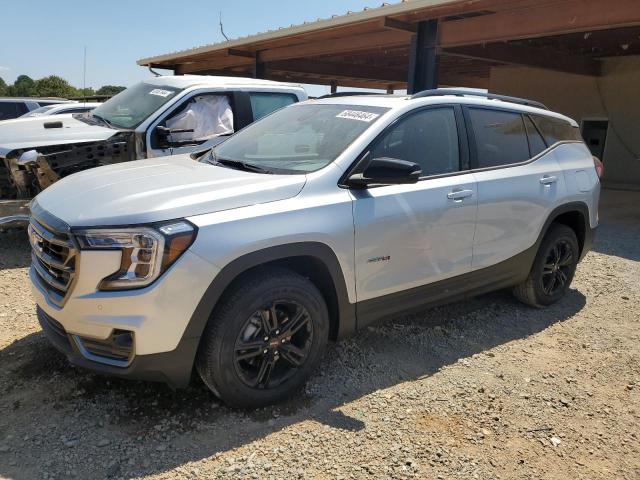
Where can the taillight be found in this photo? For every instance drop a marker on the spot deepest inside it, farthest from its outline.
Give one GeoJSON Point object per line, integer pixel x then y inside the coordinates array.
{"type": "Point", "coordinates": [599, 166]}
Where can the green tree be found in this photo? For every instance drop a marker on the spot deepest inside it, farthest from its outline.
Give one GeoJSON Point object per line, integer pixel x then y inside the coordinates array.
{"type": "Point", "coordinates": [85, 92]}
{"type": "Point", "coordinates": [24, 86]}
{"type": "Point", "coordinates": [54, 86]}
{"type": "Point", "coordinates": [110, 90]}
{"type": "Point", "coordinates": [3, 88]}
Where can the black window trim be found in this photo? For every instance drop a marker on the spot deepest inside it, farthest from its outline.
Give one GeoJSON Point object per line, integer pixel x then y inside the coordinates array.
{"type": "Point", "coordinates": [362, 160]}
{"type": "Point", "coordinates": [473, 156]}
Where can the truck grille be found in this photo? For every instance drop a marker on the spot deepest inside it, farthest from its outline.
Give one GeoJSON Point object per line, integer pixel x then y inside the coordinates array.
{"type": "Point", "coordinates": [53, 258]}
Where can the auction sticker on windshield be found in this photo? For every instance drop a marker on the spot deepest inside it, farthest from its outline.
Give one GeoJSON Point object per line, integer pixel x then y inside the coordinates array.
{"type": "Point", "coordinates": [161, 93]}
{"type": "Point", "coordinates": [358, 115]}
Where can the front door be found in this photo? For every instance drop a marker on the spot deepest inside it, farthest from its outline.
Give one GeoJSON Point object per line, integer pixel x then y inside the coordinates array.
{"type": "Point", "coordinates": [408, 236]}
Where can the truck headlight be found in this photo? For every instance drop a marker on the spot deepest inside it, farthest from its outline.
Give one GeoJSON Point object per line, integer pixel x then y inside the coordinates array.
{"type": "Point", "coordinates": [147, 252]}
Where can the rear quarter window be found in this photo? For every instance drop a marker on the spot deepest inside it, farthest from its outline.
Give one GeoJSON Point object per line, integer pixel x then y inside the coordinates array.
{"type": "Point", "coordinates": [555, 130]}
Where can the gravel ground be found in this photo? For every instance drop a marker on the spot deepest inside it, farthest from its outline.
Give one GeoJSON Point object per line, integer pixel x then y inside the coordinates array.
{"type": "Point", "coordinates": [483, 389]}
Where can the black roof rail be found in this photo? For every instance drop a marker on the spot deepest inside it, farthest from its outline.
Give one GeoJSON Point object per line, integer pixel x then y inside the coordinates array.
{"type": "Point", "coordinates": [347, 94]}
{"type": "Point", "coordinates": [437, 92]}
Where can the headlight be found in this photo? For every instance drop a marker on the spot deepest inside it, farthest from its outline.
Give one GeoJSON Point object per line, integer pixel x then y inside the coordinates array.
{"type": "Point", "coordinates": [146, 251]}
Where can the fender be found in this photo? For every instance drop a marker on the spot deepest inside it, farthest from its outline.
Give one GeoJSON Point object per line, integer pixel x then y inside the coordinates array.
{"type": "Point", "coordinates": [320, 251]}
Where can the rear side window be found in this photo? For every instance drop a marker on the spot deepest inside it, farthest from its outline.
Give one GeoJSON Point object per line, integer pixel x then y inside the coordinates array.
{"type": "Point", "coordinates": [555, 130]}
{"type": "Point", "coordinates": [500, 137]}
{"type": "Point", "coordinates": [428, 138]}
{"type": "Point", "coordinates": [536, 142]}
{"type": "Point", "coordinates": [264, 103]}
{"type": "Point", "coordinates": [7, 110]}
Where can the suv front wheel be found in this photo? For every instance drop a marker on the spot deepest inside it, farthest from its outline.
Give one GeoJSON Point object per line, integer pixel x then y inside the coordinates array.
{"type": "Point", "coordinates": [264, 339]}
{"type": "Point", "coordinates": [553, 268]}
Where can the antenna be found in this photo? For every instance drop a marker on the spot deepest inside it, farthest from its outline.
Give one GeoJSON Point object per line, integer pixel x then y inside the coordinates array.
{"type": "Point", "coordinates": [222, 29]}
{"type": "Point", "coordinates": [84, 75]}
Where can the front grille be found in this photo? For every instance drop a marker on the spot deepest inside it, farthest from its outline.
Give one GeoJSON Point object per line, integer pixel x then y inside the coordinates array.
{"type": "Point", "coordinates": [53, 258]}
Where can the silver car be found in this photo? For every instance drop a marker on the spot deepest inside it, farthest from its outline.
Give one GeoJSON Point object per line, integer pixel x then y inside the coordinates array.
{"type": "Point", "coordinates": [305, 227]}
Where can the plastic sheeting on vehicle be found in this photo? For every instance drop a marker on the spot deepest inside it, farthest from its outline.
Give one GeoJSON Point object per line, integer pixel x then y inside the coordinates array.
{"type": "Point", "coordinates": [208, 116]}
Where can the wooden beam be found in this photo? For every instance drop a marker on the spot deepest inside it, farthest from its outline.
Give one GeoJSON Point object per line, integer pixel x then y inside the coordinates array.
{"type": "Point", "coordinates": [561, 18]}
{"type": "Point", "coordinates": [540, 57]}
{"type": "Point", "coordinates": [333, 69]}
{"type": "Point", "coordinates": [234, 52]}
{"type": "Point", "coordinates": [356, 43]}
{"type": "Point", "coordinates": [388, 22]}
{"type": "Point", "coordinates": [214, 63]}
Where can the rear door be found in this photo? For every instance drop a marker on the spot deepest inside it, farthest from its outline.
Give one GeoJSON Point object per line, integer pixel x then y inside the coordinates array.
{"type": "Point", "coordinates": [519, 182]}
{"type": "Point", "coordinates": [408, 236]}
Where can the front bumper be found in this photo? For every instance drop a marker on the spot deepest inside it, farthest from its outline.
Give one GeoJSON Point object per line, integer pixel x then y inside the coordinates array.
{"type": "Point", "coordinates": [173, 368]}
{"type": "Point", "coordinates": [157, 318]}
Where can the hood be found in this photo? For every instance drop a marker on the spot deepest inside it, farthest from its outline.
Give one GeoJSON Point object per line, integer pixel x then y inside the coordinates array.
{"type": "Point", "coordinates": [26, 133]}
{"type": "Point", "coordinates": [146, 191]}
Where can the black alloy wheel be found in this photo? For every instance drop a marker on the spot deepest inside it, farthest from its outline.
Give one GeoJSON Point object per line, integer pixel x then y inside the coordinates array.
{"type": "Point", "coordinates": [274, 342]}
{"type": "Point", "coordinates": [557, 267]}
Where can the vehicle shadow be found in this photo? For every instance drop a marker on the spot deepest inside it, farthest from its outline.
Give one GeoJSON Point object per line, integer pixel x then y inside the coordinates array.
{"type": "Point", "coordinates": [58, 417]}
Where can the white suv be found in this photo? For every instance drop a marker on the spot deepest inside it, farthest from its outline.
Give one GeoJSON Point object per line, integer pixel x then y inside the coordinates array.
{"type": "Point", "coordinates": [304, 227]}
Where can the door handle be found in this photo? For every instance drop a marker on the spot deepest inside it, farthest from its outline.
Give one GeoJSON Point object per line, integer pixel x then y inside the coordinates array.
{"type": "Point", "coordinates": [548, 180]}
{"type": "Point", "coordinates": [459, 194]}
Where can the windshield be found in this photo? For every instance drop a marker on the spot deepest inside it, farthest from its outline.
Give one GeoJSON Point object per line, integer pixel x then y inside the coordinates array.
{"type": "Point", "coordinates": [38, 111]}
{"type": "Point", "coordinates": [299, 138]}
{"type": "Point", "coordinates": [132, 106]}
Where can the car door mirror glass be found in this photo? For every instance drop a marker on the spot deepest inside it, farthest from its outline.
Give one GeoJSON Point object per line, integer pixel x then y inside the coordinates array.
{"type": "Point", "coordinates": [387, 171]}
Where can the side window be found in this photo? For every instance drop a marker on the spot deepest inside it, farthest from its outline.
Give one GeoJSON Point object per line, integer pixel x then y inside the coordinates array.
{"type": "Point", "coordinates": [263, 103]}
{"type": "Point", "coordinates": [536, 142]}
{"type": "Point", "coordinates": [500, 137]}
{"type": "Point", "coordinates": [21, 108]}
{"type": "Point", "coordinates": [428, 138]}
{"type": "Point", "coordinates": [7, 110]}
{"type": "Point", "coordinates": [208, 115]}
{"type": "Point", "coordinates": [555, 130]}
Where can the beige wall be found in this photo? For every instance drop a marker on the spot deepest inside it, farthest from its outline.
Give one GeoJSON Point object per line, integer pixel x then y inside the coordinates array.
{"type": "Point", "coordinates": [615, 96]}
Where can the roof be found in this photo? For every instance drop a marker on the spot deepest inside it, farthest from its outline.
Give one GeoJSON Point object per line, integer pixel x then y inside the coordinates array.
{"type": "Point", "coordinates": [405, 6]}
{"type": "Point", "coordinates": [35, 99]}
{"type": "Point", "coordinates": [399, 101]}
{"type": "Point", "coordinates": [372, 48]}
{"type": "Point", "coordinates": [186, 81]}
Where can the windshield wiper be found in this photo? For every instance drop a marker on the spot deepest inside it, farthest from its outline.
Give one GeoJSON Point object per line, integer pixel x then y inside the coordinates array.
{"type": "Point", "coordinates": [104, 120]}
{"type": "Point", "coordinates": [213, 159]}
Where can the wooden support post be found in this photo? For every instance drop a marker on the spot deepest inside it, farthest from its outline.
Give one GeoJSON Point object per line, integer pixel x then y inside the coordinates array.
{"type": "Point", "coordinates": [334, 87]}
{"type": "Point", "coordinates": [423, 60]}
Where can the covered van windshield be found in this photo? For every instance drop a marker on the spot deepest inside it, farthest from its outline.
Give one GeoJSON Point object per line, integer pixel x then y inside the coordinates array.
{"type": "Point", "coordinates": [299, 138]}
{"type": "Point", "coordinates": [132, 106]}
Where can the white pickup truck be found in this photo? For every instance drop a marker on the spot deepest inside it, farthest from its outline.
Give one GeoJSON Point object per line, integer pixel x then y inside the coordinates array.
{"type": "Point", "coordinates": [165, 115]}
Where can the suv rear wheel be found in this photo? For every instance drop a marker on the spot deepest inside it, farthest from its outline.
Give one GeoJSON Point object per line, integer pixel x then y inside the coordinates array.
{"type": "Point", "coordinates": [264, 339]}
{"type": "Point", "coordinates": [553, 268]}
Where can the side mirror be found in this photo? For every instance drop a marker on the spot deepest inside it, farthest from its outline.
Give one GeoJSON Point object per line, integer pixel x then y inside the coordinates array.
{"type": "Point", "coordinates": [387, 171]}
{"type": "Point", "coordinates": [163, 134]}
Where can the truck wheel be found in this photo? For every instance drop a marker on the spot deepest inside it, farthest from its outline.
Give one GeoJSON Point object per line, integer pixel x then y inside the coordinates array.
{"type": "Point", "coordinates": [264, 339]}
{"type": "Point", "coordinates": [553, 268]}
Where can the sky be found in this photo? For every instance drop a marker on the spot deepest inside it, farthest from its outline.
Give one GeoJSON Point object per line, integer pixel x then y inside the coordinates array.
{"type": "Point", "coordinates": [44, 37]}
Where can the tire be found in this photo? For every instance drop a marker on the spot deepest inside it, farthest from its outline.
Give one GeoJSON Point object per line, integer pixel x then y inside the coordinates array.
{"type": "Point", "coordinates": [231, 357]}
{"type": "Point", "coordinates": [549, 270]}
